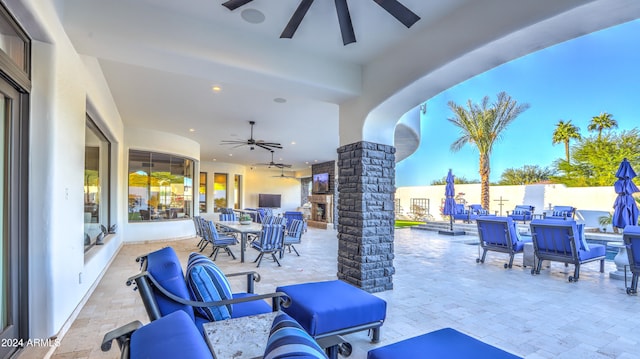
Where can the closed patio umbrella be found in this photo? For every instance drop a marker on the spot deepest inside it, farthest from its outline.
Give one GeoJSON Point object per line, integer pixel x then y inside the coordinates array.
{"type": "Point", "coordinates": [450, 204]}
{"type": "Point", "coordinates": [625, 209]}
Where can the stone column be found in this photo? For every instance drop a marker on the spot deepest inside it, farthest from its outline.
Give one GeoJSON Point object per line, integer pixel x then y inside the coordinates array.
{"type": "Point", "coordinates": [366, 192]}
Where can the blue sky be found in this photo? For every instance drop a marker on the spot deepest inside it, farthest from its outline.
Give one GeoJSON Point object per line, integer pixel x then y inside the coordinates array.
{"type": "Point", "coordinates": [575, 80]}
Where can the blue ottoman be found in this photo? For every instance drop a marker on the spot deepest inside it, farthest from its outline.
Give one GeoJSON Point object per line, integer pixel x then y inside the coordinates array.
{"type": "Point", "coordinates": [443, 343]}
{"type": "Point", "coordinates": [330, 308]}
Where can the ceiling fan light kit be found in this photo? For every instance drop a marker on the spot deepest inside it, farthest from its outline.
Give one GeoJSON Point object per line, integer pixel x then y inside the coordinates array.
{"type": "Point", "coordinates": [393, 7]}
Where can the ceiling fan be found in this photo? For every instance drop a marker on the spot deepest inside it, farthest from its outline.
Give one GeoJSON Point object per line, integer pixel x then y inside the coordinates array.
{"type": "Point", "coordinates": [393, 7]}
{"type": "Point", "coordinates": [273, 164]}
{"type": "Point", "coordinates": [282, 175]}
{"type": "Point", "coordinates": [252, 143]}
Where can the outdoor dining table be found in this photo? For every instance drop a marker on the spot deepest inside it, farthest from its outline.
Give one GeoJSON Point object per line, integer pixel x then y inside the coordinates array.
{"type": "Point", "coordinates": [244, 230]}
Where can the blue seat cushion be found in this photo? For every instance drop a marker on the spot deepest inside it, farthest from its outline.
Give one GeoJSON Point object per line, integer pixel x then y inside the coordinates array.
{"type": "Point", "coordinates": [444, 343]}
{"type": "Point", "coordinates": [287, 339]}
{"type": "Point", "coordinates": [207, 283]}
{"type": "Point", "coordinates": [324, 307]}
{"type": "Point", "coordinates": [172, 336]}
{"type": "Point", "coordinates": [165, 267]}
{"type": "Point", "coordinates": [595, 250]}
{"type": "Point", "coordinates": [249, 308]}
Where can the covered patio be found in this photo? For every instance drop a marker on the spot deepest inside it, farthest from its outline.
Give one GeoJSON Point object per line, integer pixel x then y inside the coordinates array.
{"type": "Point", "coordinates": [437, 284]}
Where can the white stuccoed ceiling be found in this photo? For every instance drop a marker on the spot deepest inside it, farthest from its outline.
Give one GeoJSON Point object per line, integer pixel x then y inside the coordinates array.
{"type": "Point", "coordinates": [162, 57]}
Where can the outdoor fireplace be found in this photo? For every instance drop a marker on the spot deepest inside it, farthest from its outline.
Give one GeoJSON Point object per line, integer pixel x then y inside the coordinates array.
{"type": "Point", "coordinates": [321, 211]}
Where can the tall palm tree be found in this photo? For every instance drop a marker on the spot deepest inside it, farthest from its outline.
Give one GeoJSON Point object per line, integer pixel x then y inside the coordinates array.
{"type": "Point", "coordinates": [565, 132]}
{"type": "Point", "coordinates": [481, 125]}
{"type": "Point", "coordinates": [601, 122]}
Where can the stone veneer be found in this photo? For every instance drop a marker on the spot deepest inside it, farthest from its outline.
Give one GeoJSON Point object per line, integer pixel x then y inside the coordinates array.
{"type": "Point", "coordinates": [366, 187]}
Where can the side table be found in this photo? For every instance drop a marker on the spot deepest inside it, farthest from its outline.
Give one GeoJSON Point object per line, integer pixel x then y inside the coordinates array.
{"type": "Point", "coordinates": [239, 338]}
{"type": "Point", "coordinates": [529, 258]}
{"type": "Point", "coordinates": [621, 260]}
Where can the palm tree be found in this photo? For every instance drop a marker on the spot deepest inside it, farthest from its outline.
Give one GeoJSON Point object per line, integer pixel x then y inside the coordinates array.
{"type": "Point", "coordinates": [601, 122]}
{"type": "Point", "coordinates": [564, 132]}
{"type": "Point", "coordinates": [481, 125]}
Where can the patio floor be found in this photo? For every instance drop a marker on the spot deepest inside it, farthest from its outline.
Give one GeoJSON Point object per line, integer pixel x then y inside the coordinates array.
{"type": "Point", "coordinates": [437, 284]}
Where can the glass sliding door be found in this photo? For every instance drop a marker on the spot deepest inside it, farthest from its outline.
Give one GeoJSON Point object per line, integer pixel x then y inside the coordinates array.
{"type": "Point", "coordinates": [13, 202]}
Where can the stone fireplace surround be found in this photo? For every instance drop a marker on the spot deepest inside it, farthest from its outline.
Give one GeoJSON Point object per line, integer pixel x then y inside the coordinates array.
{"type": "Point", "coordinates": [321, 211]}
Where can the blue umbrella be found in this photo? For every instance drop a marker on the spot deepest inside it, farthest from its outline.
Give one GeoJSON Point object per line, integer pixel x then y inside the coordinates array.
{"type": "Point", "coordinates": [449, 201]}
{"type": "Point", "coordinates": [625, 210]}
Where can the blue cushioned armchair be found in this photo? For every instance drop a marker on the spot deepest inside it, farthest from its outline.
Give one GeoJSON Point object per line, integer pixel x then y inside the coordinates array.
{"type": "Point", "coordinates": [163, 288]}
{"type": "Point", "coordinates": [563, 241]}
{"type": "Point", "coordinates": [499, 234]}
{"type": "Point", "coordinates": [631, 237]}
{"type": "Point", "coordinates": [522, 213]}
{"type": "Point", "coordinates": [561, 212]}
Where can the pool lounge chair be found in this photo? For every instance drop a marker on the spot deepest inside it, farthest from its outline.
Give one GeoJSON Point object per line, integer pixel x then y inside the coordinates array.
{"type": "Point", "coordinates": [522, 213]}
{"type": "Point", "coordinates": [561, 212]}
{"type": "Point", "coordinates": [560, 240]}
{"type": "Point", "coordinates": [476, 210]}
{"type": "Point", "coordinates": [499, 234]}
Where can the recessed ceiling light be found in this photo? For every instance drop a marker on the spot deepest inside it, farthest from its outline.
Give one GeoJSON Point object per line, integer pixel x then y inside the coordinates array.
{"type": "Point", "coordinates": [231, 154]}
{"type": "Point", "coordinates": [216, 88]}
{"type": "Point", "coordinates": [192, 130]}
{"type": "Point", "coordinates": [252, 16]}
{"type": "Point", "coordinates": [293, 142]}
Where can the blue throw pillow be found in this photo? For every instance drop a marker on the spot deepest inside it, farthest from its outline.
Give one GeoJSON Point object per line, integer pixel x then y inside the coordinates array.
{"type": "Point", "coordinates": [582, 239]}
{"type": "Point", "coordinates": [207, 283]}
{"type": "Point", "coordinates": [287, 339]}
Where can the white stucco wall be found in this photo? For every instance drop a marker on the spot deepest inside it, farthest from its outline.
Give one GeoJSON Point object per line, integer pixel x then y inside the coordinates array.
{"type": "Point", "coordinates": [540, 196]}
{"type": "Point", "coordinates": [263, 181]}
{"type": "Point", "coordinates": [63, 84]}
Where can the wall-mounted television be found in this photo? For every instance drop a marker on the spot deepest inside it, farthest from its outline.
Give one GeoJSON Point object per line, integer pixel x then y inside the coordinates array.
{"type": "Point", "coordinates": [269, 200]}
{"type": "Point", "coordinates": [321, 183]}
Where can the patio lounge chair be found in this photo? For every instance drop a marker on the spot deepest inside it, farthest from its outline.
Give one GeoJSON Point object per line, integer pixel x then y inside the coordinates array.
{"type": "Point", "coordinates": [522, 213]}
{"type": "Point", "coordinates": [631, 237]}
{"type": "Point", "coordinates": [560, 240]}
{"type": "Point", "coordinates": [461, 213]}
{"type": "Point", "coordinates": [476, 210]}
{"type": "Point", "coordinates": [164, 289]}
{"type": "Point", "coordinates": [172, 336]}
{"type": "Point", "coordinates": [560, 212]}
{"type": "Point", "coordinates": [499, 234]}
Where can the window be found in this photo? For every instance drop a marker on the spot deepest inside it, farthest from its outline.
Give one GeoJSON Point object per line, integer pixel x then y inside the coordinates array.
{"type": "Point", "coordinates": [203, 192]}
{"type": "Point", "coordinates": [237, 191]}
{"type": "Point", "coordinates": [97, 151]}
{"type": "Point", "coordinates": [219, 191]}
{"type": "Point", "coordinates": [160, 186]}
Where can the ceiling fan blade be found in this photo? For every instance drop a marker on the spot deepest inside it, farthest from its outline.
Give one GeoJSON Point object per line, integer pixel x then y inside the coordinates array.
{"type": "Point", "coordinates": [399, 11]}
{"type": "Point", "coordinates": [234, 4]}
{"type": "Point", "coordinates": [268, 148]}
{"type": "Point", "coordinates": [344, 18]}
{"type": "Point", "coordinates": [232, 142]}
{"type": "Point", "coordinates": [296, 19]}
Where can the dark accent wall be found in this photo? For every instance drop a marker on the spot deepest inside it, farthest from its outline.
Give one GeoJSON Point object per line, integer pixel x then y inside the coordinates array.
{"type": "Point", "coordinates": [366, 215]}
